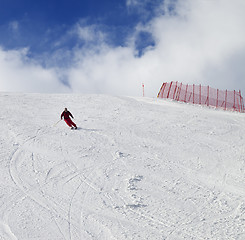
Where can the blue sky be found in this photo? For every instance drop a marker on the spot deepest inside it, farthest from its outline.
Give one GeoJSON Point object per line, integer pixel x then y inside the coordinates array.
{"type": "Point", "coordinates": [112, 46]}
{"type": "Point", "coordinates": [40, 24]}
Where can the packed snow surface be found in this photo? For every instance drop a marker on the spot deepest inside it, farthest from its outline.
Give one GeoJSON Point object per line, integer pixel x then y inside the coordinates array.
{"type": "Point", "coordinates": [136, 168]}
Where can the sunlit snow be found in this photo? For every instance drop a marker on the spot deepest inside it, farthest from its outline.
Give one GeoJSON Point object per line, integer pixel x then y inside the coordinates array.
{"type": "Point", "coordinates": [136, 168]}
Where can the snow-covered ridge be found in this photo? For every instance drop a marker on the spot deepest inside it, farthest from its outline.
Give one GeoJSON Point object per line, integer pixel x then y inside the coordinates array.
{"type": "Point", "coordinates": [136, 168]}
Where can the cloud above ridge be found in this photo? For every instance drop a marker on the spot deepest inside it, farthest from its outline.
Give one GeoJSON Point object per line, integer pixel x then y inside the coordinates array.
{"type": "Point", "coordinates": [200, 42]}
{"type": "Point", "coordinates": [18, 73]}
{"type": "Point", "coordinates": [193, 41]}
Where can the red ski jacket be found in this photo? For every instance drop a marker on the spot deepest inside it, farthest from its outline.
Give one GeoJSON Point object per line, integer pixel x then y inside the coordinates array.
{"type": "Point", "coordinates": [66, 115]}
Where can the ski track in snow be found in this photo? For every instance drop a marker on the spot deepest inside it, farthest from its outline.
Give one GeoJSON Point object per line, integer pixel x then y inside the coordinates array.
{"type": "Point", "coordinates": [136, 168]}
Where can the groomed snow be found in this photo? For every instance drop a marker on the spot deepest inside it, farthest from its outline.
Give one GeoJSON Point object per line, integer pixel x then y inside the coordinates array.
{"type": "Point", "coordinates": [136, 168]}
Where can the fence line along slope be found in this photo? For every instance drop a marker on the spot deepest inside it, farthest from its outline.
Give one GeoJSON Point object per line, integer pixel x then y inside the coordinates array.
{"type": "Point", "coordinates": [203, 95]}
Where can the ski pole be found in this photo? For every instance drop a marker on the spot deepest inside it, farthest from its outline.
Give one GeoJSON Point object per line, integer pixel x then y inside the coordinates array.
{"type": "Point", "coordinates": [57, 122]}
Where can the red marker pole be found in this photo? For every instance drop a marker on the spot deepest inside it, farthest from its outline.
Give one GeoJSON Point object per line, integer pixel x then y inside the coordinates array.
{"type": "Point", "coordinates": [143, 86]}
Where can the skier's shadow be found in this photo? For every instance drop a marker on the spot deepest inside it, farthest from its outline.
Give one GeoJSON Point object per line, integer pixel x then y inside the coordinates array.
{"type": "Point", "coordinates": [88, 129]}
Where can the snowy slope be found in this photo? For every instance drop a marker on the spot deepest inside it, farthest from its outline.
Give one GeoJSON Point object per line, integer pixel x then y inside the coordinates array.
{"type": "Point", "coordinates": [137, 168]}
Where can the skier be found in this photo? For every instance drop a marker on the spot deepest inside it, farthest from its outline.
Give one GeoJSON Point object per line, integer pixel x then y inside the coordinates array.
{"type": "Point", "coordinates": [66, 114]}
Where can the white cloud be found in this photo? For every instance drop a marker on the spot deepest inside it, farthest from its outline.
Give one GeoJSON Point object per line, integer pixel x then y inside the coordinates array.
{"type": "Point", "coordinates": [130, 3]}
{"type": "Point", "coordinates": [145, 9]}
{"type": "Point", "coordinates": [200, 41]}
{"type": "Point", "coordinates": [112, 71]}
{"type": "Point", "coordinates": [205, 35]}
{"type": "Point", "coordinates": [200, 44]}
{"type": "Point", "coordinates": [89, 33]}
{"type": "Point", "coordinates": [21, 74]}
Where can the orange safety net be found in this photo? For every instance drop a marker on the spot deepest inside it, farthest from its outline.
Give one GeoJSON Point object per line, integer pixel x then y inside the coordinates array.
{"type": "Point", "coordinates": [203, 95]}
